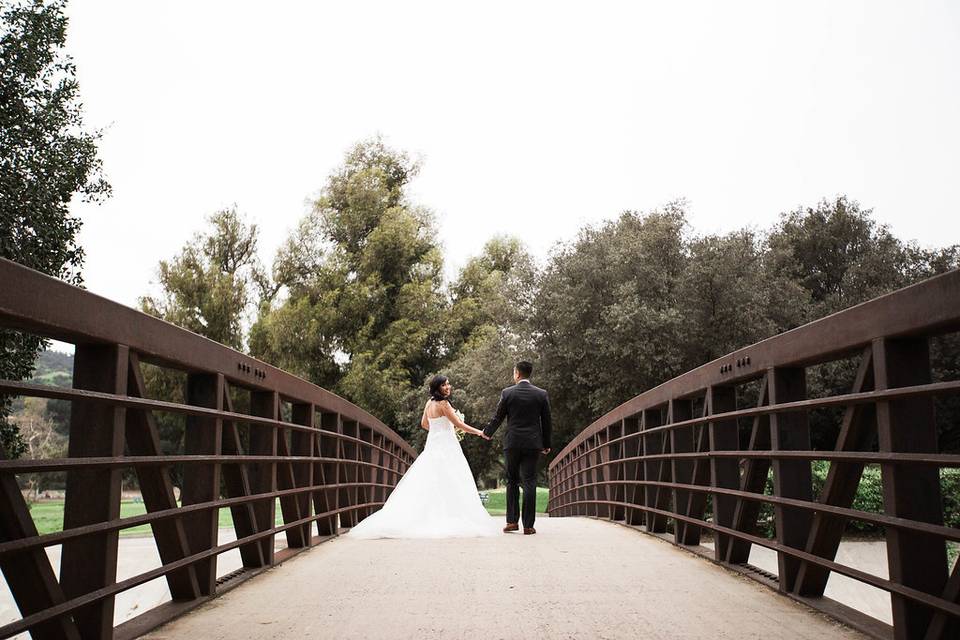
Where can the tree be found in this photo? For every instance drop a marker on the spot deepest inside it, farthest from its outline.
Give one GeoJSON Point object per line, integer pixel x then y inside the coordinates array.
{"type": "Point", "coordinates": [46, 158]}
{"type": "Point", "coordinates": [42, 440]}
{"type": "Point", "coordinates": [729, 299]}
{"type": "Point", "coordinates": [607, 322]}
{"type": "Point", "coordinates": [212, 287]}
{"type": "Point", "coordinates": [361, 279]}
{"type": "Point", "coordinates": [838, 253]}
{"type": "Point", "coordinates": [489, 330]}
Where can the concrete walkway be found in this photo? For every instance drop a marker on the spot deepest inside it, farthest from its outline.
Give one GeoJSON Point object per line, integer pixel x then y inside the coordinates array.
{"type": "Point", "coordinates": [577, 578]}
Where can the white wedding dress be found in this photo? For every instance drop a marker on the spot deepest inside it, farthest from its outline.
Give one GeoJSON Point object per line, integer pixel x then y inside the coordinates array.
{"type": "Point", "coordinates": [435, 498]}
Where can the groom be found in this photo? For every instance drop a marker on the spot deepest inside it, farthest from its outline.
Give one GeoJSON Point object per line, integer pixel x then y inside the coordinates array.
{"type": "Point", "coordinates": [527, 410]}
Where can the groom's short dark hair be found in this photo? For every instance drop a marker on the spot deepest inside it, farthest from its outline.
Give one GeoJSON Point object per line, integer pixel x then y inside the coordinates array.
{"type": "Point", "coordinates": [524, 368]}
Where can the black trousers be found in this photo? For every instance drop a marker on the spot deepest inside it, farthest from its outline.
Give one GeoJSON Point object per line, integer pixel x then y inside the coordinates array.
{"type": "Point", "coordinates": [521, 472]}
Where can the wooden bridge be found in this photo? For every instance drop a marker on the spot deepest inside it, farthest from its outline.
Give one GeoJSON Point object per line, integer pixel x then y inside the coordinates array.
{"type": "Point", "coordinates": [681, 468]}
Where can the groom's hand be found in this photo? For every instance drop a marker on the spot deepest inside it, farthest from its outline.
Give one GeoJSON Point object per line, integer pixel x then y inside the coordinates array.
{"type": "Point", "coordinates": [545, 451]}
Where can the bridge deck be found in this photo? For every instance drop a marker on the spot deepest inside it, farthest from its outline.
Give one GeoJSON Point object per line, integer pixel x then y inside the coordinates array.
{"type": "Point", "coordinates": [576, 578]}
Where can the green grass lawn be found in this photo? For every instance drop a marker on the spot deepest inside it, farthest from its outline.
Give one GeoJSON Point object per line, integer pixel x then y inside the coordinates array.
{"type": "Point", "coordinates": [497, 502]}
{"type": "Point", "coordinates": [48, 516]}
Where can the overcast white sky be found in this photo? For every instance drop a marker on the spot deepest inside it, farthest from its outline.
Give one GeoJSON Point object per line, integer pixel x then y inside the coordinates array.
{"type": "Point", "coordinates": [532, 118]}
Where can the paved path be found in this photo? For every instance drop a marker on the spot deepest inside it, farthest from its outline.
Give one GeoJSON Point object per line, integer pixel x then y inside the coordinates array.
{"type": "Point", "coordinates": [577, 578]}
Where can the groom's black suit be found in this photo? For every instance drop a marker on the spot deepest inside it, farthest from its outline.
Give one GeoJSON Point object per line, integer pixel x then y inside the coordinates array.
{"type": "Point", "coordinates": [527, 410]}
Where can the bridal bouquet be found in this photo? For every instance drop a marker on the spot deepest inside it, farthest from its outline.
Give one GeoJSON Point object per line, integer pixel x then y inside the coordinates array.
{"type": "Point", "coordinates": [460, 433]}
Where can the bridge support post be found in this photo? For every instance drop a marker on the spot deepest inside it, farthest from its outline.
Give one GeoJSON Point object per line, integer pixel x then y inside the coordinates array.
{"type": "Point", "coordinates": [263, 476]}
{"type": "Point", "coordinates": [301, 444]}
{"type": "Point", "coordinates": [906, 425]}
{"type": "Point", "coordinates": [791, 478]}
{"type": "Point", "coordinates": [349, 474]}
{"type": "Point", "coordinates": [93, 495]}
{"type": "Point", "coordinates": [657, 497]}
{"type": "Point", "coordinates": [201, 482]}
{"type": "Point", "coordinates": [633, 471]}
{"type": "Point", "coordinates": [325, 500]}
{"type": "Point", "coordinates": [724, 472]}
{"type": "Point", "coordinates": [682, 441]}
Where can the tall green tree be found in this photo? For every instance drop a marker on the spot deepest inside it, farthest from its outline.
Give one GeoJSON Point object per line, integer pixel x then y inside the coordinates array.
{"type": "Point", "coordinates": [607, 322]}
{"type": "Point", "coordinates": [215, 284]}
{"type": "Point", "coordinates": [47, 157]}
{"type": "Point", "coordinates": [361, 306]}
{"type": "Point", "coordinates": [838, 252]}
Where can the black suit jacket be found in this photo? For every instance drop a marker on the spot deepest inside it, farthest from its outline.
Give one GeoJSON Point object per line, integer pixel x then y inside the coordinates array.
{"type": "Point", "coordinates": [527, 410]}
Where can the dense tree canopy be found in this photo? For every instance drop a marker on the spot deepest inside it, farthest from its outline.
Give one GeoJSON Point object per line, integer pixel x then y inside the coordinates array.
{"type": "Point", "coordinates": [362, 306]}
{"type": "Point", "coordinates": [46, 158]}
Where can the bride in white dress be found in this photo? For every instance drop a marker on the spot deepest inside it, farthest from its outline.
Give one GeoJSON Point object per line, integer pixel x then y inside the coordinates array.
{"type": "Point", "coordinates": [436, 497]}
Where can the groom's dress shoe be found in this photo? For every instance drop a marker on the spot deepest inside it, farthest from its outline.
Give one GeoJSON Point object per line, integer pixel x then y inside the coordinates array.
{"type": "Point", "coordinates": [529, 532]}
{"type": "Point", "coordinates": [511, 527]}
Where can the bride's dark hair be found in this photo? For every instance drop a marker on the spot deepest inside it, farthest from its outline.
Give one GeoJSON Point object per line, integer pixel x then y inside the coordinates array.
{"type": "Point", "coordinates": [436, 382]}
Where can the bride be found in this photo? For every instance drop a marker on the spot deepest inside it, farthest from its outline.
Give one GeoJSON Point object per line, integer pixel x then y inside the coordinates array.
{"type": "Point", "coordinates": [436, 497]}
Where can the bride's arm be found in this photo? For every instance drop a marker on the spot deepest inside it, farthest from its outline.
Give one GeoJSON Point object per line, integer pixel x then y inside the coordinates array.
{"type": "Point", "coordinates": [424, 423]}
{"type": "Point", "coordinates": [457, 422]}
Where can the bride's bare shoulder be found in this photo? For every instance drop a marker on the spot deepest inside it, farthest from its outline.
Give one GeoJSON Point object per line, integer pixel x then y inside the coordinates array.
{"type": "Point", "coordinates": [434, 409]}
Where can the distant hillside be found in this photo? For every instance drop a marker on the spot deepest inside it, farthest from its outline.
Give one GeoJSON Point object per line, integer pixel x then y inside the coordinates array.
{"type": "Point", "coordinates": [54, 368]}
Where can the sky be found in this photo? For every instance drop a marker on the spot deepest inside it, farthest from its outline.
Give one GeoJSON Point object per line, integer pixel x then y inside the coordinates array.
{"type": "Point", "coordinates": [531, 119]}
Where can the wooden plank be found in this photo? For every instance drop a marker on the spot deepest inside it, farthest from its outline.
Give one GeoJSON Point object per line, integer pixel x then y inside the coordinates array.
{"type": "Point", "coordinates": [156, 488]}
{"type": "Point", "coordinates": [201, 483]}
{"type": "Point", "coordinates": [93, 495]}
{"type": "Point", "coordinates": [916, 560]}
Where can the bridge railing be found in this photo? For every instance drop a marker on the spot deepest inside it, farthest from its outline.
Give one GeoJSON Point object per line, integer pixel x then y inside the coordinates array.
{"type": "Point", "coordinates": [693, 455]}
{"type": "Point", "coordinates": [325, 461]}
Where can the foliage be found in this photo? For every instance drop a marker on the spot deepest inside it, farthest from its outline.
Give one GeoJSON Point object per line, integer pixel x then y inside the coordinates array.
{"type": "Point", "coordinates": [364, 308]}
{"type": "Point", "coordinates": [42, 441]}
{"type": "Point", "coordinates": [869, 498]}
{"type": "Point", "coordinates": [488, 331]}
{"type": "Point", "coordinates": [215, 283]}
{"type": "Point", "coordinates": [212, 287]}
{"type": "Point", "coordinates": [46, 157]}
